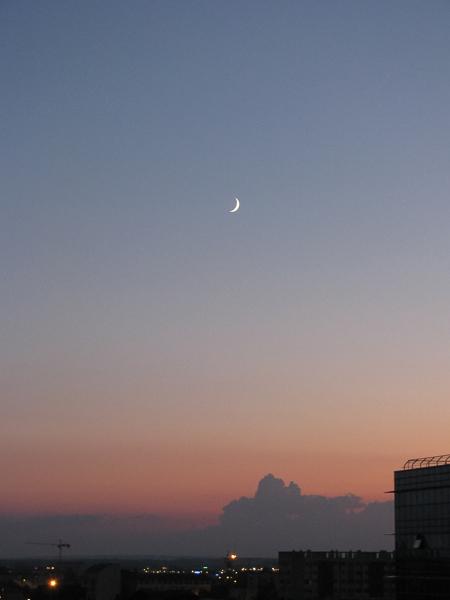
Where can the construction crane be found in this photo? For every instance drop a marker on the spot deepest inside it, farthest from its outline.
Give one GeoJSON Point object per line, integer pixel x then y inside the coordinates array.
{"type": "Point", "coordinates": [60, 545]}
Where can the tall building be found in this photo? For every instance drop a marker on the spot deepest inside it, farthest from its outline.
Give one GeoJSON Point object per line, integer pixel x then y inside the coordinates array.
{"type": "Point", "coordinates": [422, 528]}
{"type": "Point", "coordinates": [335, 575]}
{"type": "Point", "coordinates": [422, 505]}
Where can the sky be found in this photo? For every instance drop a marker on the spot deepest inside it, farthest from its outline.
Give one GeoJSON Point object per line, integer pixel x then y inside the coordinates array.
{"type": "Point", "coordinates": [276, 517]}
{"type": "Point", "coordinates": [160, 355]}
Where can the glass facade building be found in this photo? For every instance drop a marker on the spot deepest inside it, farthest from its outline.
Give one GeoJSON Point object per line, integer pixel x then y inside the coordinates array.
{"type": "Point", "coordinates": [422, 529]}
{"type": "Point", "coordinates": [422, 506]}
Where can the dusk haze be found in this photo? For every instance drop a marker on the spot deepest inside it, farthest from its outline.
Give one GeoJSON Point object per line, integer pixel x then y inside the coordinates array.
{"type": "Point", "coordinates": [225, 271]}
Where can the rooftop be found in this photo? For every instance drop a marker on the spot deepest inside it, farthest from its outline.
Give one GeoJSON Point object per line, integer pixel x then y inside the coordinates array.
{"type": "Point", "coordinates": [428, 461]}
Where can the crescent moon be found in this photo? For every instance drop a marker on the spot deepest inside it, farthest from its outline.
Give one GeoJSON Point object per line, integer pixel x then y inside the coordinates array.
{"type": "Point", "coordinates": [236, 207]}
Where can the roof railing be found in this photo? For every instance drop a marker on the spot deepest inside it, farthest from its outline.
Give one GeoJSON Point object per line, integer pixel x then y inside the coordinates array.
{"type": "Point", "coordinates": [428, 461]}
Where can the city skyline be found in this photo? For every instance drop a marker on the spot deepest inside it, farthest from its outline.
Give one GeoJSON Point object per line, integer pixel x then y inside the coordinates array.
{"type": "Point", "coordinates": [160, 355]}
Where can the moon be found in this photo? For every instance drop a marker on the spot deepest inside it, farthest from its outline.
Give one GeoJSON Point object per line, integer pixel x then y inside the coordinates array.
{"type": "Point", "coordinates": [236, 207]}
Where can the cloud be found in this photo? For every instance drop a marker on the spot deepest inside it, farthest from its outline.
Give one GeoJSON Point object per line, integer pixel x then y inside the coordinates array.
{"type": "Point", "coordinates": [278, 517]}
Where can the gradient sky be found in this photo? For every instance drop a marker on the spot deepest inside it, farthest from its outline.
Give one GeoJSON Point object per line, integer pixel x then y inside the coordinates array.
{"type": "Point", "coordinates": [159, 354]}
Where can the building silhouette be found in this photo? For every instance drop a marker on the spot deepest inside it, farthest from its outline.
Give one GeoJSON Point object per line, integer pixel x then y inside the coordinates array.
{"type": "Point", "coordinates": [335, 575]}
{"type": "Point", "coordinates": [102, 582]}
{"type": "Point", "coordinates": [422, 528]}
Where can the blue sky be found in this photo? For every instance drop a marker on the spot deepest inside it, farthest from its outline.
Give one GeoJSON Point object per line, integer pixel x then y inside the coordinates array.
{"type": "Point", "coordinates": [143, 324]}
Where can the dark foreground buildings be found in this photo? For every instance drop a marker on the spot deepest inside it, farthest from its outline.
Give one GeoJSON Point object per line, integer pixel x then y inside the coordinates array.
{"type": "Point", "coordinates": [335, 575]}
{"type": "Point", "coordinates": [421, 567]}
{"type": "Point", "coordinates": [422, 529]}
